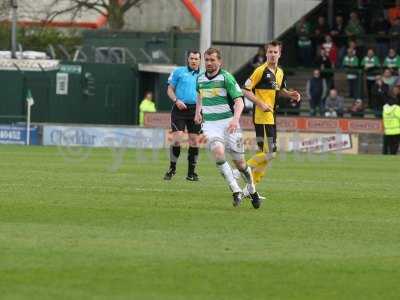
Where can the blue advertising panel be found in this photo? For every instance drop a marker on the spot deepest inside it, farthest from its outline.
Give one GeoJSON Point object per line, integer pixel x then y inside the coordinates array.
{"type": "Point", "coordinates": [17, 135]}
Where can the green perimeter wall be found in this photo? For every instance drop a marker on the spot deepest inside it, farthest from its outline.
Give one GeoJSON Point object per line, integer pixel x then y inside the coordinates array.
{"type": "Point", "coordinates": [118, 88]}
{"type": "Point", "coordinates": [114, 101]}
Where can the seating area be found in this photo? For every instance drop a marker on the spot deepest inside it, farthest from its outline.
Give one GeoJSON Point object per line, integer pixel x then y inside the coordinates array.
{"type": "Point", "coordinates": [357, 55]}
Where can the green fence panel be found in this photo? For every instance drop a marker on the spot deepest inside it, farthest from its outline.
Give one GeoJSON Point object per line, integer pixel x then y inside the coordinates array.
{"type": "Point", "coordinates": [11, 96]}
{"type": "Point", "coordinates": [109, 97]}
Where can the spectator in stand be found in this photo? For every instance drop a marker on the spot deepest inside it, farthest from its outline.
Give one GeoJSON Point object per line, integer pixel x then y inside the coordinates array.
{"type": "Point", "coordinates": [371, 66]}
{"type": "Point", "coordinates": [321, 28]}
{"type": "Point", "coordinates": [357, 108]}
{"type": "Point", "coordinates": [379, 94]}
{"type": "Point", "coordinates": [380, 27]}
{"type": "Point", "coordinates": [394, 12]}
{"type": "Point", "coordinates": [354, 29]}
{"type": "Point", "coordinates": [322, 60]}
{"type": "Point", "coordinates": [334, 104]}
{"type": "Point", "coordinates": [316, 92]}
{"type": "Point", "coordinates": [339, 38]}
{"type": "Point", "coordinates": [304, 45]}
{"type": "Point", "coordinates": [394, 33]}
{"type": "Point", "coordinates": [355, 48]}
{"type": "Point", "coordinates": [353, 45]}
{"type": "Point", "coordinates": [259, 58]}
{"type": "Point", "coordinates": [392, 61]}
{"type": "Point", "coordinates": [351, 65]}
{"type": "Point", "coordinates": [330, 49]}
{"type": "Point", "coordinates": [338, 32]}
{"type": "Point", "coordinates": [324, 64]}
{"type": "Point", "coordinates": [388, 78]}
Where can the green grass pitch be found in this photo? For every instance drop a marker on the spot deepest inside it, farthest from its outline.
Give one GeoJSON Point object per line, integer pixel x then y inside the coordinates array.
{"type": "Point", "coordinates": [104, 225]}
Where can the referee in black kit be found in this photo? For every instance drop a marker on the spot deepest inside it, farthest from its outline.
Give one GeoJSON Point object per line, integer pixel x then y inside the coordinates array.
{"type": "Point", "coordinates": [182, 92]}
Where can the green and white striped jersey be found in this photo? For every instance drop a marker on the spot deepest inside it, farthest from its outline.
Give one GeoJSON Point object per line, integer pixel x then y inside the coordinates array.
{"type": "Point", "coordinates": [217, 94]}
{"type": "Point", "coordinates": [392, 62]}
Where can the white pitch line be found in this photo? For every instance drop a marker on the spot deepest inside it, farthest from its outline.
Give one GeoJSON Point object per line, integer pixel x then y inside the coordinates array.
{"type": "Point", "coordinates": [161, 190]}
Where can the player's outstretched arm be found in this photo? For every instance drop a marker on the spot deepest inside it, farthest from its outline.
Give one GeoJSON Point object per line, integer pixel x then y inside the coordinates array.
{"type": "Point", "coordinates": [294, 95]}
{"type": "Point", "coordinates": [250, 95]}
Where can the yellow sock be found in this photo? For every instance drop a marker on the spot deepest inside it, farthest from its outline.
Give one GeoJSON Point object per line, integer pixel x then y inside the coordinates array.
{"type": "Point", "coordinates": [258, 164]}
{"type": "Point", "coordinates": [257, 159]}
{"type": "Point", "coordinates": [258, 173]}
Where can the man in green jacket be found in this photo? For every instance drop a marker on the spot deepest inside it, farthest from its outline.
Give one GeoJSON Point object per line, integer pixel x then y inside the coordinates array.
{"type": "Point", "coordinates": [391, 123]}
{"type": "Point", "coordinates": [354, 29]}
{"type": "Point", "coordinates": [147, 105]}
{"type": "Point", "coordinates": [371, 66]}
{"type": "Point", "coordinates": [351, 65]}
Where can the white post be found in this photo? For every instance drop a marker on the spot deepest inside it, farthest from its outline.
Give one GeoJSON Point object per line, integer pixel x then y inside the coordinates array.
{"type": "Point", "coordinates": [28, 125]}
{"type": "Point", "coordinates": [29, 103]}
{"type": "Point", "coordinates": [206, 24]}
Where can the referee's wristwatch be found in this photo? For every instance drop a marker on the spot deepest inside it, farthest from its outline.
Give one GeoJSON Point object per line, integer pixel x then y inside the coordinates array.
{"type": "Point", "coordinates": [175, 100]}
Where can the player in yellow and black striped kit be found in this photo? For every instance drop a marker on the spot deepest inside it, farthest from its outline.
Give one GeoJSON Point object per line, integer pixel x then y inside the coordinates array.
{"type": "Point", "coordinates": [263, 88]}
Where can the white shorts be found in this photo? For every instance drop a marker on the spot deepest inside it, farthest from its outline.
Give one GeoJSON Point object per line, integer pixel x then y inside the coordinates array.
{"type": "Point", "coordinates": [216, 131]}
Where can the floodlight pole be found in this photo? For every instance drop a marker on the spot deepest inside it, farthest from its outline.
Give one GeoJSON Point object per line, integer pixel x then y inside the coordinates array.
{"type": "Point", "coordinates": [271, 20]}
{"type": "Point", "coordinates": [14, 7]}
{"type": "Point", "coordinates": [331, 6]}
{"type": "Point", "coordinates": [205, 26]}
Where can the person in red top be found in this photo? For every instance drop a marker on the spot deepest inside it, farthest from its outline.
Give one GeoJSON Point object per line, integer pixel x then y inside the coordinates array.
{"type": "Point", "coordinates": [330, 49]}
{"type": "Point", "coordinates": [394, 12]}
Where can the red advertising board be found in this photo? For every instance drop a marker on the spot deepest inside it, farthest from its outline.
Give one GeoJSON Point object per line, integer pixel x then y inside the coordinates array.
{"type": "Point", "coordinates": [302, 124]}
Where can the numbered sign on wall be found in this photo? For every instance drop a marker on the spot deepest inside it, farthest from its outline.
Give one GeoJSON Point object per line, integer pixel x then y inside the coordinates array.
{"type": "Point", "coordinates": [62, 84]}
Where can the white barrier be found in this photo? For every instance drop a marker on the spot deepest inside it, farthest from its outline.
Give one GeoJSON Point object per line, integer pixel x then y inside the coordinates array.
{"type": "Point", "coordinates": [98, 136]}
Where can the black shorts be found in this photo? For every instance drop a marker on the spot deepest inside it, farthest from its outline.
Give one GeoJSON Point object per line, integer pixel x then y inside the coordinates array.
{"type": "Point", "coordinates": [266, 137]}
{"type": "Point", "coordinates": [181, 119]}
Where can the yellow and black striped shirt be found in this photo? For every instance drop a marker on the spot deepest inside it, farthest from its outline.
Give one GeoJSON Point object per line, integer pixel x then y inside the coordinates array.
{"type": "Point", "coordinates": [266, 85]}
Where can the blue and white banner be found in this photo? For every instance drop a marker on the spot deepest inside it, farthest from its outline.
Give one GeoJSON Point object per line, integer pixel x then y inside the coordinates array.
{"type": "Point", "coordinates": [91, 136]}
{"type": "Point", "coordinates": [17, 135]}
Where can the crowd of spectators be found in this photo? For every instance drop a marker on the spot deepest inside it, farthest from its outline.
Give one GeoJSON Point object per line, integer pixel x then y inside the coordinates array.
{"type": "Point", "coordinates": [365, 44]}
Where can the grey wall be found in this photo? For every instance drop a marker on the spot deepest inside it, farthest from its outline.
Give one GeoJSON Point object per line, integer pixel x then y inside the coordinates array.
{"type": "Point", "coordinates": [161, 15]}
{"type": "Point", "coordinates": [289, 11]}
{"type": "Point", "coordinates": [248, 22]}
{"type": "Point", "coordinates": [235, 20]}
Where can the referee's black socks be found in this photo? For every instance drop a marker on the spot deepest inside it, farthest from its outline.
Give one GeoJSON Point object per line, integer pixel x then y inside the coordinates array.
{"type": "Point", "coordinates": [174, 152]}
{"type": "Point", "coordinates": [193, 154]}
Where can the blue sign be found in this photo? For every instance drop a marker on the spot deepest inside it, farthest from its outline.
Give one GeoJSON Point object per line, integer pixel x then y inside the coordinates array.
{"type": "Point", "coordinates": [17, 135]}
